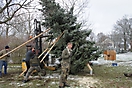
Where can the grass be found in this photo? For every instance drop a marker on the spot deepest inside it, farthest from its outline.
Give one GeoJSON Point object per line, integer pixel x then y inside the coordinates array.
{"type": "Point", "coordinates": [109, 77]}
{"type": "Point", "coordinates": [112, 76]}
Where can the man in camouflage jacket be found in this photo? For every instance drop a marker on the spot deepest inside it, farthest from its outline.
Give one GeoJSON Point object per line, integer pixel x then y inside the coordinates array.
{"type": "Point", "coordinates": [65, 65]}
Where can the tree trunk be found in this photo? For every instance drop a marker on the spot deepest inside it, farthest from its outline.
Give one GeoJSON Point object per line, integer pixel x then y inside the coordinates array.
{"type": "Point", "coordinates": [125, 41]}
{"type": "Point", "coordinates": [7, 31]}
{"type": "Point", "coordinates": [125, 44]}
{"type": "Point", "coordinates": [131, 46]}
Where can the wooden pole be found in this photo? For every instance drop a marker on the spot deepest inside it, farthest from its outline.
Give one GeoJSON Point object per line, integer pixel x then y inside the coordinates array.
{"type": "Point", "coordinates": [47, 52]}
{"type": "Point", "coordinates": [42, 53]}
{"type": "Point", "coordinates": [91, 70]}
{"type": "Point", "coordinates": [24, 69]}
{"type": "Point", "coordinates": [47, 49]}
{"type": "Point", "coordinates": [51, 47]}
{"type": "Point", "coordinates": [24, 43]}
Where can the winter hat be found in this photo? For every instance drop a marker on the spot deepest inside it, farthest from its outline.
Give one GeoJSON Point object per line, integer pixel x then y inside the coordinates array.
{"type": "Point", "coordinates": [6, 47]}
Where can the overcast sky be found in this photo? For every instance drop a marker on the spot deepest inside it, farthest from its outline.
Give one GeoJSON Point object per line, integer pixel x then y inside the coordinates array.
{"type": "Point", "coordinates": [105, 13]}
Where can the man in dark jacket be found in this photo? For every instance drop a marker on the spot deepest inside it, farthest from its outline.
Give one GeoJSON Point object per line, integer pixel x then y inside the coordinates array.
{"type": "Point", "coordinates": [29, 55]}
{"type": "Point", "coordinates": [65, 65]}
{"type": "Point", "coordinates": [34, 65]}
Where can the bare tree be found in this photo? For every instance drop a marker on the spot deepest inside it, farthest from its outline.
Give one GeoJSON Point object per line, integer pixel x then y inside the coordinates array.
{"type": "Point", "coordinates": [122, 28]}
{"type": "Point", "coordinates": [80, 7]}
{"type": "Point", "coordinates": [116, 37]}
{"type": "Point", "coordinates": [8, 8]}
{"type": "Point", "coordinates": [101, 37]}
{"type": "Point", "coordinates": [22, 25]}
{"type": "Point", "coordinates": [92, 37]}
{"type": "Point", "coordinates": [129, 32]}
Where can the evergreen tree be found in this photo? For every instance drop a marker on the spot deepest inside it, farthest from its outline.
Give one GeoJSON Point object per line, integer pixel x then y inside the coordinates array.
{"type": "Point", "coordinates": [61, 20]}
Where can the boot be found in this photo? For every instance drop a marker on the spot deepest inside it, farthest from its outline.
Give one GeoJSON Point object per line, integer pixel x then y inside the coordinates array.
{"type": "Point", "coordinates": [66, 85]}
{"type": "Point", "coordinates": [24, 81]}
{"type": "Point", "coordinates": [127, 74]}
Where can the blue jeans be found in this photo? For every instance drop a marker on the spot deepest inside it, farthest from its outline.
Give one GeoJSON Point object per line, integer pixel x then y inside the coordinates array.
{"type": "Point", "coordinates": [3, 63]}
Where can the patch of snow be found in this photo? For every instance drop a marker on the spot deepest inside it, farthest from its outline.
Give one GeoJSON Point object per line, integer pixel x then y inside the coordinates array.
{"type": "Point", "coordinates": [53, 83]}
{"type": "Point", "coordinates": [15, 66]}
{"type": "Point", "coordinates": [38, 84]}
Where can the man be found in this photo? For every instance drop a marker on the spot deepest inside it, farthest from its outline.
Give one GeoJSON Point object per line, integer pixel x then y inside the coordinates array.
{"type": "Point", "coordinates": [3, 61]}
{"type": "Point", "coordinates": [65, 65]}
{"type": "Point", "coordinates": [35, 65]}
{"type": "Point", "coordinates": [29, 55]}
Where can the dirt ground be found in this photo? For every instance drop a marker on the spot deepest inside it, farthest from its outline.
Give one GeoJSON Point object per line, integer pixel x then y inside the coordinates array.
{"type": "Point", "coordinates": [51, 80]}
{"type": "Point", "coordinates": [89, 82]}
{"type": "Point", "coordinates": [105, 76]}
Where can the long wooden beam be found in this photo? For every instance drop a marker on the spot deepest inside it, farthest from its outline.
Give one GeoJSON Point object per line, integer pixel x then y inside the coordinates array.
{"type": "Point", "coordinates": [24, 43]}
{"type": "Point", "coordinates": [42, 53]}
{"type": "Point", "coordinates": [91, 70]}
{"type": "Point", "coordinates": [48, 47]}
{"type": "Point", "coordinates": [51, 47]}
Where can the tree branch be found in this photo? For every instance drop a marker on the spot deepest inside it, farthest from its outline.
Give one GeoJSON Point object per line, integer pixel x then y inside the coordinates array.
{"type": "Point", "coordinates": [10, 6]}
